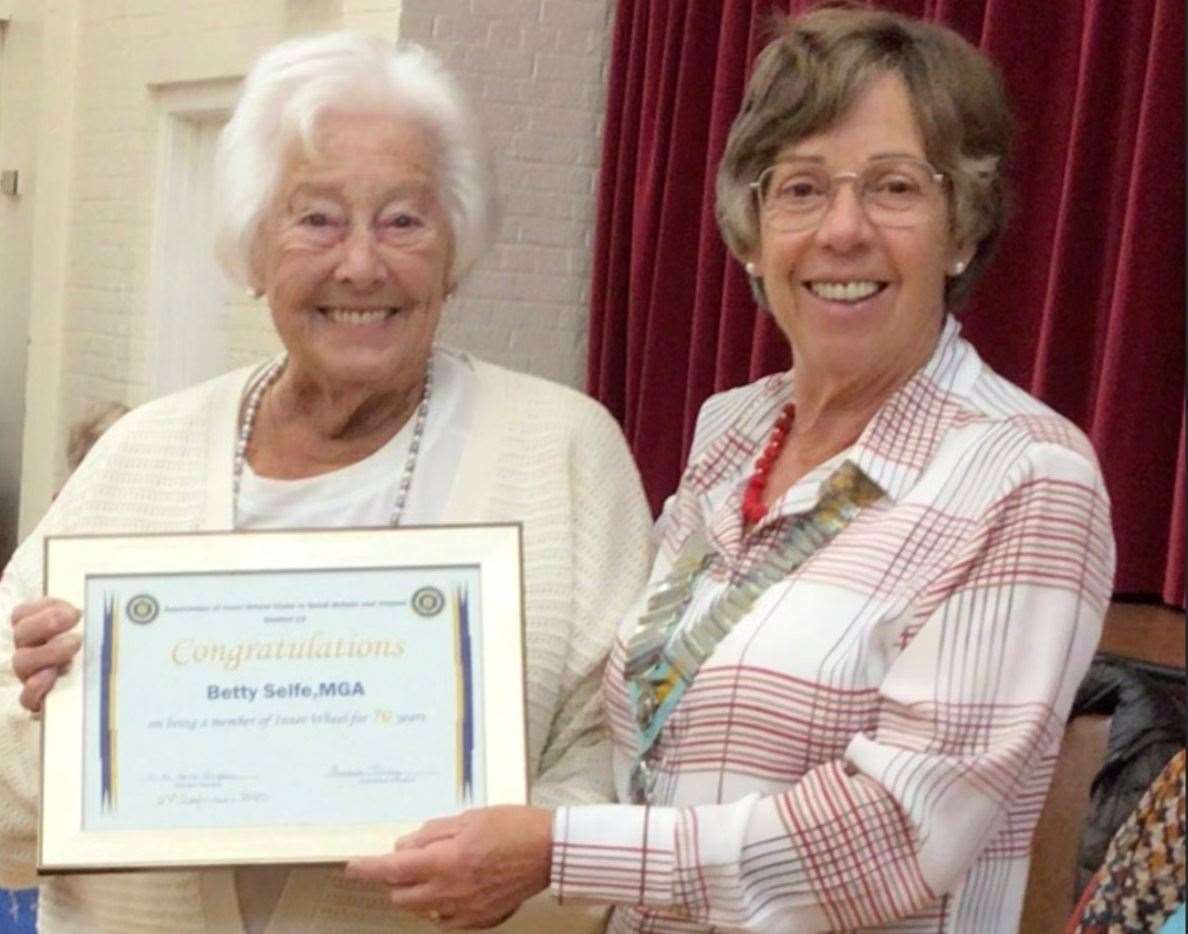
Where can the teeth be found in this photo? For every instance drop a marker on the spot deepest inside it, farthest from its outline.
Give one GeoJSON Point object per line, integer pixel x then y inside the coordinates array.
{"type": "Point", "coordinates": [352, 316]}
{"type": "Point", "coordinates": [844, 291]}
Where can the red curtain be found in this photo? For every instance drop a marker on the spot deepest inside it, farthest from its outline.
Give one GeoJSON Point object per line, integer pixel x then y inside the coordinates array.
{"type": "Point", "coordinates": [1083, 305]}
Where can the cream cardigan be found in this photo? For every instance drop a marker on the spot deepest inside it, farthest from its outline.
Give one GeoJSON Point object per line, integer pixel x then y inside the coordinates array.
{"type": "Point", "coordinates": [538, 453]}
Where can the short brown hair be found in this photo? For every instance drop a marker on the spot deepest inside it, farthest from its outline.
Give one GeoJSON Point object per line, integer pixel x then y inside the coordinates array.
{"type": "Point", "coordinates": [810, 74]}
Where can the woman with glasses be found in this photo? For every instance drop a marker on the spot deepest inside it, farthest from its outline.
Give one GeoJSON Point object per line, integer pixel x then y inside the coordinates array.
{"type": "Point", "coordinates": [356, 194]}
{"type": "Point", "coordinates": [839, 701]}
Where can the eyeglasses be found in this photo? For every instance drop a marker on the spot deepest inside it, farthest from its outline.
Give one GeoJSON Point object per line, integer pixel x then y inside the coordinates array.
{"type": "Point", "coordinates": [893, 192]}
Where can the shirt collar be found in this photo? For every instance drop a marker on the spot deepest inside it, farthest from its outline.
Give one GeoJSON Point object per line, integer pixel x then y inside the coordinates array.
{"type": "Point", "coordinates": [893, 449]}
{"type": "Point", "coordinates": [902, 437]}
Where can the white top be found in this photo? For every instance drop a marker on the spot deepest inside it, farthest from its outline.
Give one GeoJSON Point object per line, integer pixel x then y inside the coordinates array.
{"type": "Point", "coordinates": [364, 493]}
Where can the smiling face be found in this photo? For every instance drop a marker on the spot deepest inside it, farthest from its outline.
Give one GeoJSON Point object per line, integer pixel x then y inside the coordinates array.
{"type": "Point", "coordinates": [858, 300]}
{"type": "Point", "coordinates": [355, 255]}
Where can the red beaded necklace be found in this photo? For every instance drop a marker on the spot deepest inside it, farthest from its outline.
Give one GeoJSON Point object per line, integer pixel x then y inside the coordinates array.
{"type": "Point", "coordinates": [752, 505]}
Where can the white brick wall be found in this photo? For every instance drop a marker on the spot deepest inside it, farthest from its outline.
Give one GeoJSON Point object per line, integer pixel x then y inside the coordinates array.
{"type": "Point", "coordinates": [535, 70]}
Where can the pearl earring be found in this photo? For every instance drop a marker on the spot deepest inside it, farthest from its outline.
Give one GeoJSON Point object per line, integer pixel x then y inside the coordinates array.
{"type": "Point", "coordinates": [750, 268]}
{"type": "Point", "coordinates": [959, 267]}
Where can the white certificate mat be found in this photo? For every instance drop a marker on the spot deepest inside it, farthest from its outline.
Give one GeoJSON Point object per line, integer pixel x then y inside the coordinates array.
{"type": "Point", "coordinates": [280, 697]}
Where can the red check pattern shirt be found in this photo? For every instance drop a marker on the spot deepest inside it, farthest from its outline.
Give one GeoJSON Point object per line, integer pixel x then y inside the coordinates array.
{"type": "Point", "coordinates": [870, 747]}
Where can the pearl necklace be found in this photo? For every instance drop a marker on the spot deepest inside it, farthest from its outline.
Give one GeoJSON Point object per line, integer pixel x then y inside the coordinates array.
{"type": "Point", "coordinates": [252, 408]}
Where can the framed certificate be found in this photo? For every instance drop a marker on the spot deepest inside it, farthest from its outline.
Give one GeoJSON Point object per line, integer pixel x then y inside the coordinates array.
{"type": "Point", "coordinates": [279, 697]}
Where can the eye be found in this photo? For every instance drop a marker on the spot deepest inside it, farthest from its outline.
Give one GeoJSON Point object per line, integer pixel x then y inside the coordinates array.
{"type": "Point", "coordinates": [898, 185]}
{"type": "Point", "coordinates": [320, 215]}
{"type": "Point", "coordinates": [900, 182]}
{"type": "Point", "coordinates": [800, 188]}
{"type": "Point", "coordinates": [320, 219]}
{"type": "Point", "coordinates": [404, 221]}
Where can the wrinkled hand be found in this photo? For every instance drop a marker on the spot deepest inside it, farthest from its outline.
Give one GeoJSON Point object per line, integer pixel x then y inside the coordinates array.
{"type": "Point", "coordinates": [43, 646]}
{"type": "Point", "coordinates": [468, 871]}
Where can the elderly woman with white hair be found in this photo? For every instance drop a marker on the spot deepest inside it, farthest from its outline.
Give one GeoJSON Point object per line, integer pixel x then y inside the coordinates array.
{"type": "Point", "coordinates": [356, 193]}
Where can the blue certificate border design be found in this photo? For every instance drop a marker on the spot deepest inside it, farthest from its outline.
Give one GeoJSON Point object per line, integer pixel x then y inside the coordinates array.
{"type": "Point", "coordinates": [108, 672]}
{"type": "Point", "coordinates": [466, 698]}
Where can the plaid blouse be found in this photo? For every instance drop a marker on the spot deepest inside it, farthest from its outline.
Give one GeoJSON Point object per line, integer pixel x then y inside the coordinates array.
{"type": "Point", "coordinates": [870, 746]}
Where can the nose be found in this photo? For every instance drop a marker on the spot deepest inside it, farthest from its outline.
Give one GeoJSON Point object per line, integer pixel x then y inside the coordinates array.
{"type": "Point", "coordinates": [360, 265]}
{"type": "Point", "coordinates": [844, 225]}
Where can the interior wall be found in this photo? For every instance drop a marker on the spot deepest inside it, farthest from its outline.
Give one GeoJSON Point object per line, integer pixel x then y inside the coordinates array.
{"type": "Point", "coordinates": [19, 55]}
{"type": "Point", "coordinates": [41, 46]}
{"type": "Point", "coordinates": [127, 55]}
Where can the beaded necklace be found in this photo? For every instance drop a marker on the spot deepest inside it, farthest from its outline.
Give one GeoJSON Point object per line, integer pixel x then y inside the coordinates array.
{"type": "Point", "coordinates": [252, 408]}
{"type": "Point", "coordinates": [753, 508]}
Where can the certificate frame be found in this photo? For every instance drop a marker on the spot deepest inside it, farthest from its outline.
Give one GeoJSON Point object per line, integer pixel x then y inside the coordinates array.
{"type": "Point", "coordinates": [68, 842]}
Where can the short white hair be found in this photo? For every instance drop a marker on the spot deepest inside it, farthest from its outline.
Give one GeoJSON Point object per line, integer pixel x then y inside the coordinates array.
{"type": "Point", "coordinates": [294, 83]}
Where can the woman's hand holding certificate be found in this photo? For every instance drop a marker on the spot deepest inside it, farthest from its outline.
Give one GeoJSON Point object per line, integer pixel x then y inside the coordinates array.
{"type": "Point", "coordinates": [467, 871]}
{"type": "Point", "coordinates": [44, 646]}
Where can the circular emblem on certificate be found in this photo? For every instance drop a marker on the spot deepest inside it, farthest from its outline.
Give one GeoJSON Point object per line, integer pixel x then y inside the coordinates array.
{"type": "Point", "coordinates": [428, 601]}
{"type": "Point", "coordinates": [142, 608]}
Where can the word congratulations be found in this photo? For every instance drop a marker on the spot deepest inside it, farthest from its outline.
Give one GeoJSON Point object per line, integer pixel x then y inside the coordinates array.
{"type": "Point", "coordinates": [231, 655]}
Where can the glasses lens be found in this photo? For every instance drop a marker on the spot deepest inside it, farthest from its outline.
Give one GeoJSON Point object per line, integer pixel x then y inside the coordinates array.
{"type": "Point", "coordinates": [794, 197]}
{"type": "Point", "coordinates": [895, 191]}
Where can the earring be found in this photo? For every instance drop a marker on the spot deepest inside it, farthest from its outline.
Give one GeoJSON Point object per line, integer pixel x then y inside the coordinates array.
{"type": "Point", "coordinates": [758, 292]}
{"type": "Point", "coordinates": [255, 293]}
{"type": "Point", "coordinates": [958, 267]}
